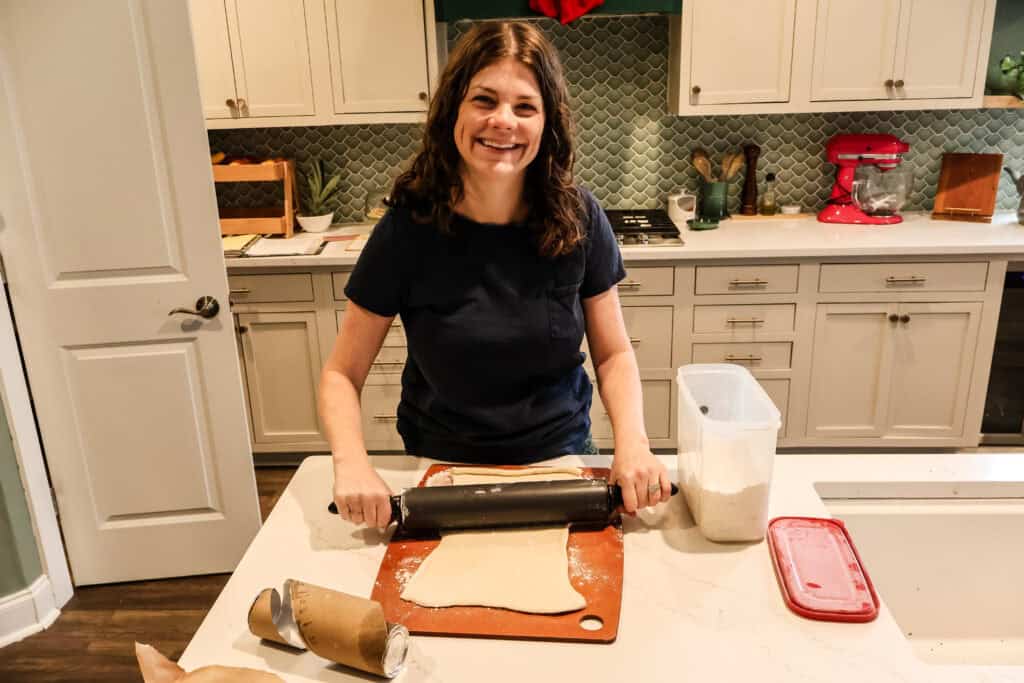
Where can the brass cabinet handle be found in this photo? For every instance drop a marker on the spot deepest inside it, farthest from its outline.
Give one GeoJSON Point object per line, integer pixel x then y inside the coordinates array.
{"type": "Point", "coordinates": [388, 363]}
{"type": "Point", "coordinates": [385, 418]}
{"type": "Point", "coordinates": [240, 290]}
{"type": "Point", "coordinates": [904, 318]}
{"type": "Point", "coordinates": [206, 307]}
{"type": "Point", "coordinates": [423, 96]}
{"type": "Point", "coordinates": [744, 321]}
{"type": "Point", "coordinates": [889, 83]}
{"type": "Point", "coordinates": [910, 280]}
{"type": "Point", "coordinates": [635, 340]}
{"type": "Point", "coordinates": [893, 318]}
{"type": "Point", "coordinates": [241, 329]}
{"type": "Point", "coordinates": [630, 284]}
{"type": "Point", "coordinates": [899, 83]}
{"type": "Point", "coordinates": [749, 358]}
{"type": "Point", "coordinates": [243, 106]}
{"type": "Point", "coordinates": [396, 324]}
{"type": "Point", "coordinates": [695, 90]}
{"type": "Point", "coordinates": [232, 106]}
{"type": "Point", "coordinates": [756, 282]}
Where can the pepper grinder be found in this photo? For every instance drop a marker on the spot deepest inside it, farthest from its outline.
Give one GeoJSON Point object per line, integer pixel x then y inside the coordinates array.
{"type": "Point", "coordinates": [748, 207]}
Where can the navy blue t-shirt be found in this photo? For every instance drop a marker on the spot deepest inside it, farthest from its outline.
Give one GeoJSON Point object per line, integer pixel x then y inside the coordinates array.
{"type": "Point", "coordinates": [494, 373]}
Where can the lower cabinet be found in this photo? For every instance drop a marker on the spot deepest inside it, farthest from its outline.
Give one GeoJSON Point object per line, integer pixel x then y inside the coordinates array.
{"type": "Point", "coordinates": [657, 413]}
{"type": "Point", "coordinates": [892, 369]}
{"type": "Point", "coordinates": [281, 353]}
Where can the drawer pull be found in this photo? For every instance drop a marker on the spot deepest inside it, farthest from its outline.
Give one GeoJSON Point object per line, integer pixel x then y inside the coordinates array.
{"type": "Point", "coordinates": [388, 363]}
{"type": "Point", "coordinates": [749, 358]}
{"type": "Point", "coordinates": [630, 284]}
{"type": "Point", "coordinates": [635, 340]}
{"type": "Point", "coordinates": [756, 282]}
{"type": "Point", "coordinates": [744, 321]}
{"type": "Point", "coordinates": [240, 290]}
{"type": "Point", "coordinates": [385, 418]}
{"type": "Point", "coordinates": [911, 280]}
{"type": "Point", "coordinates": [396, 324]}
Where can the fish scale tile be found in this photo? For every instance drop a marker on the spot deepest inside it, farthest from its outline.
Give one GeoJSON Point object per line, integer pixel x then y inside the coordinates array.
{"type": "Point", "coordinates": [630, 153]}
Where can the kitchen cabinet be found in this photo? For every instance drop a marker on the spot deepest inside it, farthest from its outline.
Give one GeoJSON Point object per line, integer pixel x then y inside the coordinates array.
{"type": "Point", "coordinates": [378, 55]}
{"type": "Point", "coordinates": [892, 369]}
{"type": "Point", "coordinates": [896, 49]}
{"type": "Point", "coordinates": [311, 62]}
{"type": "Point", "coordinates": [253, 58]}
{"type": "Point", "coordinates": [737, 52]}
{"type": "Point", "coordinates": [828, 55]}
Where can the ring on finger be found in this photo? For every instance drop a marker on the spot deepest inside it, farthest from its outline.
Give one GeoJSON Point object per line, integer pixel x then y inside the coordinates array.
{"type": "Point", "coordinates": [653, 488]}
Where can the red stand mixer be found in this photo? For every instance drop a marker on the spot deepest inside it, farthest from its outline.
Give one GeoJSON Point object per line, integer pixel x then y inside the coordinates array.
{"type": "Point", "coordinates": [867, 189]}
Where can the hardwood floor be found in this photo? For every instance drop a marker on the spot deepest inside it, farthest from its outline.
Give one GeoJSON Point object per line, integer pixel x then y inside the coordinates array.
{"type": "Point", "coordinates": [93, 638]}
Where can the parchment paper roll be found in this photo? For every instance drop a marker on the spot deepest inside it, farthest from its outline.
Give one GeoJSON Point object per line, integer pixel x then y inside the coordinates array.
{"type": "Point", "coordinates": [336, 626]}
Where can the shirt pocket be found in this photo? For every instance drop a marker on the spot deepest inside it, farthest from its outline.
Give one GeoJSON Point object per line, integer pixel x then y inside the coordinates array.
{"type": "Point", "coordinates": [565, 313]}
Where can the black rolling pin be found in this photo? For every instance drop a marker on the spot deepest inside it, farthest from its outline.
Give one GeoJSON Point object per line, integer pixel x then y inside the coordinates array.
{"type": "Point", "coordinates": [486, 506]}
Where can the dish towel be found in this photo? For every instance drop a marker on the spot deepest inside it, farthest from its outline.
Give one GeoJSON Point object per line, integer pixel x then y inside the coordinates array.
{"type": "Point", "coordinates": [564, 10]}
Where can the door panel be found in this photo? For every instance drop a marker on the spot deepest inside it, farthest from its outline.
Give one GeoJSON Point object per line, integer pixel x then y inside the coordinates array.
{"type": "Point", "coordinates": [938, 53]}
{"type": "Point", "coordinates": [932, 366]}
{"type": "Point", "coordinates": [851, 361]}
{"type": "Point", "coordinates": [741, 50]}
{"type": "Point", "coordinates": [141, 413]}
{"type": "Point", "coordinates": [854, 49]}
{"type": "Point", "coordinates": [272, 57]}
{"type": "Point", "coordinates": [213, 57]}
{"type": "Point", "coordinates": [373, 71]}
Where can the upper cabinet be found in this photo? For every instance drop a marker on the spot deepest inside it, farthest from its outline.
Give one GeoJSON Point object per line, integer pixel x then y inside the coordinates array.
{"type": "Point", "coordinates": [780, 56]}
{"type": "Point", "coordinates": [371, 74]}
{"type": "Point", "coordinates": [313, 62]}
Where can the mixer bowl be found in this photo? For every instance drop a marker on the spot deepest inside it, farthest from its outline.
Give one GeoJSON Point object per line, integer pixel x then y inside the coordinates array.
{"type": "Point", "coordinates": [881, 193]}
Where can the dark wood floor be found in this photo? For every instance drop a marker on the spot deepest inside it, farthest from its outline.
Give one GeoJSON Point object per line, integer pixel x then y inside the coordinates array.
{"type": "Point", "coordinates": [93, 638]}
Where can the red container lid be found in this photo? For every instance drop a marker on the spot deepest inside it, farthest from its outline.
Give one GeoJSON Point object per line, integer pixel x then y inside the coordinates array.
{"type": "Point", "coordinates": [819, 570]}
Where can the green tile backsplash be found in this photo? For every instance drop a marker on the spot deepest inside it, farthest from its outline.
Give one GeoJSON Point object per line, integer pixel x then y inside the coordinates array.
{"type": "Point", "coordinates": [631, 153]}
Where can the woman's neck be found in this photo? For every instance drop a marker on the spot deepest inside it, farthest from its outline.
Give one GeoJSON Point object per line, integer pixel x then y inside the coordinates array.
{"type": "Point", "coordinates": [493, 202]}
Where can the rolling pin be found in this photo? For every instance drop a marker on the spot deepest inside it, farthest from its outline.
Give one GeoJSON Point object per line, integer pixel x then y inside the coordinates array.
{"type": "Point", "coordinates": [430, 509]}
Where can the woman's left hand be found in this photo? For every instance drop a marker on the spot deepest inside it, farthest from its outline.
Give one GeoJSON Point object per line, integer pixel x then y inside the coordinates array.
{"type": "Point", "coordinates": [641, 476]}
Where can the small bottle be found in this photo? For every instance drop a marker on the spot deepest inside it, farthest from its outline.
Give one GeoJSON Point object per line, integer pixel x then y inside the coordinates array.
{"type": "Point", "coordinates": [768, 206]}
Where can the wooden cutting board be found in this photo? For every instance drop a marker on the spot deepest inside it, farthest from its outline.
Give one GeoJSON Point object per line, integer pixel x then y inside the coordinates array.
{"type": "Point", "coordinates": [968, 185]}
{"type": "Point", "coordinates": [595, 570]}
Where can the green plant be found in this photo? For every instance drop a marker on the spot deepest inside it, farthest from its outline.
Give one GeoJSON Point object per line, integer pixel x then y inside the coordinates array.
{"type": "Point", "coordinates": [317, 192]}
{"type": "Point", "coordinates": [1014, 68]}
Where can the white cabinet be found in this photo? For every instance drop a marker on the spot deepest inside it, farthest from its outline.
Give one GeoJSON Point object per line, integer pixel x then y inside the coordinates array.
{"type": "Point", "coordinates": [892, 369]}
{"type": "Point", "coordinates": [378, 55]}
{"type": "Point", "coordinates": [896, 49]}
{"type": "Point", "coordinates": [253, 58]}
{"type": "Point", "coordinates": [739, 51]}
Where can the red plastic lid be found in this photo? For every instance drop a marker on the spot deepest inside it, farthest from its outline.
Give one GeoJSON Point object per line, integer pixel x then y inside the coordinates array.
{"type": "Point", "coordinates": [819, 570]}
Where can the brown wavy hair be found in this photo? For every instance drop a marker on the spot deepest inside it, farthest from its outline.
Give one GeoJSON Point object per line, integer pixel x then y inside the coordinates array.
{"type": "Point", "coordinates": [432, 186]}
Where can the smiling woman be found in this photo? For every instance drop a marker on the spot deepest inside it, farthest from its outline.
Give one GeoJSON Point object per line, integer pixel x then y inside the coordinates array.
{"type": "Point", "coordinates": [497, 264]}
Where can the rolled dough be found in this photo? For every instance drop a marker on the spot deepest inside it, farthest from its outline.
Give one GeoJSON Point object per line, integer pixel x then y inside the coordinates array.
{"type": "Point", "coordinates": [526, 570]}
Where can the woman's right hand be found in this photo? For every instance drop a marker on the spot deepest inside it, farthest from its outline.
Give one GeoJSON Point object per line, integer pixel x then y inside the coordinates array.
{"type": "Point", "coordinates": [361, 495]}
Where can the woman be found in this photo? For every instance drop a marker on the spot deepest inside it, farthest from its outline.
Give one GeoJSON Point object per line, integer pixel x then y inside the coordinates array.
{"type": "Point", "coordinates": [496, 263]}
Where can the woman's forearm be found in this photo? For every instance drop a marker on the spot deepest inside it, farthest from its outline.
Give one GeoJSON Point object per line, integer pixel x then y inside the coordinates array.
{"type": "Point", "coordinates": [619, 385]}
{"type": "Point", "coordinates": [341, 416]}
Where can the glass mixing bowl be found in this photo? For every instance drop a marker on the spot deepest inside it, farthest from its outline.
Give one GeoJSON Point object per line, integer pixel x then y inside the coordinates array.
{"type": "Point", "coordinates": [881, 193]}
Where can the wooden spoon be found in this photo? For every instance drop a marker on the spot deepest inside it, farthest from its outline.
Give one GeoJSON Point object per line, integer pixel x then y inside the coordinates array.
{"type": "Point", "coordinates": [701, 162]}
{"type": "Point", "coordinates": [731, 165]}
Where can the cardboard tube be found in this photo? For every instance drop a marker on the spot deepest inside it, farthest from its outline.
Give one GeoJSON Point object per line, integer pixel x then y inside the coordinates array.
{"type": "Point", "coordinates": [336, 626]}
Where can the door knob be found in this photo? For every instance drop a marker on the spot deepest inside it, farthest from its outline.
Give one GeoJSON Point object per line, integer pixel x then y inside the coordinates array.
{"type": "Point", "coordinates": [904, 318]}
{"type": "Point", "coordinates": [206, 307]}
{"type": "Point", "coordinates": [899, 83]}
{"type": "Point", "coordinates": [893, 318]}
{"type": "Point", "coordinates": [890, 83]}
{"type": "Point", "coordinates": [232, 107]}
{"type": "Point", "coordinates": [695, 90]}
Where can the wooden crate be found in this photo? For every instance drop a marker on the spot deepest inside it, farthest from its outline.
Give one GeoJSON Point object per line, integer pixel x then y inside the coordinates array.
{"type": "Point", "coordinates": [271, 220]}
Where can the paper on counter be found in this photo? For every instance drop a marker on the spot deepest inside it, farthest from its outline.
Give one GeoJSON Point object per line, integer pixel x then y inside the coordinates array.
{"type": "Point", "coordinates": [298, 245]}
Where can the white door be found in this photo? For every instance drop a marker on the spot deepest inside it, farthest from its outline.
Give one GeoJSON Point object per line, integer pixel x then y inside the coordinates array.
{"type": "Point", "coordinates": [852, 356]}
{"type": "Point", "coordinates": [938, 51]}
{"type": "Point", "coordinates": [109, 221]}
{"type": "Point", "coordinates": [741, 51]}
{"type": "Point", "coordinates": [378, 55]}
{"type": "Point", "coordinates": [932, 366]}
{"type": "Point", "coordinates": [271, 57]}
{"type": "Point", "coordinates": [854, 49]}
{"type": "Point", "coordinates": [213, 58]}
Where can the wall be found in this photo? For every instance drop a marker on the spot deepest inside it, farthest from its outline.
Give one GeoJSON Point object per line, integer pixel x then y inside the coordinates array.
{"type": "Point", "coordinates": [19, 557]}
{"type": "Point", "coordinates": [631, 154]}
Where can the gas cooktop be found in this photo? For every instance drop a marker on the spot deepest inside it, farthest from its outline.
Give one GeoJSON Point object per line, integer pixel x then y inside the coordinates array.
{"type": "Point", "coordinates": [643, 227]}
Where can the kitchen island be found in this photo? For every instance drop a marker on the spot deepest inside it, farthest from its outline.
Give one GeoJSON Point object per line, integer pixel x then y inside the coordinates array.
{"type": "Point", "coordinates": [692, 610]}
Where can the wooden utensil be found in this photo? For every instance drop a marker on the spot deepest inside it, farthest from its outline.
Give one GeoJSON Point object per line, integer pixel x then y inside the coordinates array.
{"type": "Point", "coordinates": [701, 162]}
{"type": "Point", "coordinates": [968, 184]}
{"type": "Point", "coordinates": [731, 165]}
{"type": "Point", "coordinates": [748, 206]}
{"type": "Point", "coordinates": [595, 570]}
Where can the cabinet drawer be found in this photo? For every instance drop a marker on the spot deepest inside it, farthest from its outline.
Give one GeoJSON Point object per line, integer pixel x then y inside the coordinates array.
{"type": "Point", "coordinates": [650, 333]}
{"type": "Point", "coordinates": [746, 320]}
{"type": "Point", "coordinates": [395, 336]}
{"type": "Point", "coordinates": [380, 416]}
{"type": "Point", "coordinates": [746, 279]}
{"type": "Point", "coordinates": [778, 392]}
{"type": "Point", "coordinates": [657, 408]}
{"type": "Point", "coordinates": [390, 361]}
{"type": "Point", "coordinates": [271, 289]}
{"type": "Point", "coordinates": [648, 282]}
{"type": "Point", "coordinates": [338, 282]}
{"type": "Point", "coordinates": [754, 355]}
{"type": "Point", "coordinates": [898, 277]}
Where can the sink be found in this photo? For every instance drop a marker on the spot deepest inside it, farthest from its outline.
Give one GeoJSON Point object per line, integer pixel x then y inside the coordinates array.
{"type": "Point", "coordinates": [950, 571]}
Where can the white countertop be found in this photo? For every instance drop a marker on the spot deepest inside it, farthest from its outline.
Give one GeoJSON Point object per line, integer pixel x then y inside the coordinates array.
{"type": "Point", "coordinates": [917, 235]}
{"type": "Point", "coordinates": [691, 610]}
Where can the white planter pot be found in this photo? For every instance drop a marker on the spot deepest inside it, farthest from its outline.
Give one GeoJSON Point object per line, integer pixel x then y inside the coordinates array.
{"type": "Point", "coordinates": [316, 223]}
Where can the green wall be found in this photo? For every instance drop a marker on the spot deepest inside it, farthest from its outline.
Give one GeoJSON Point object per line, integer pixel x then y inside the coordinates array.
{"type": "Point", "coordinates": [19, 556]}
